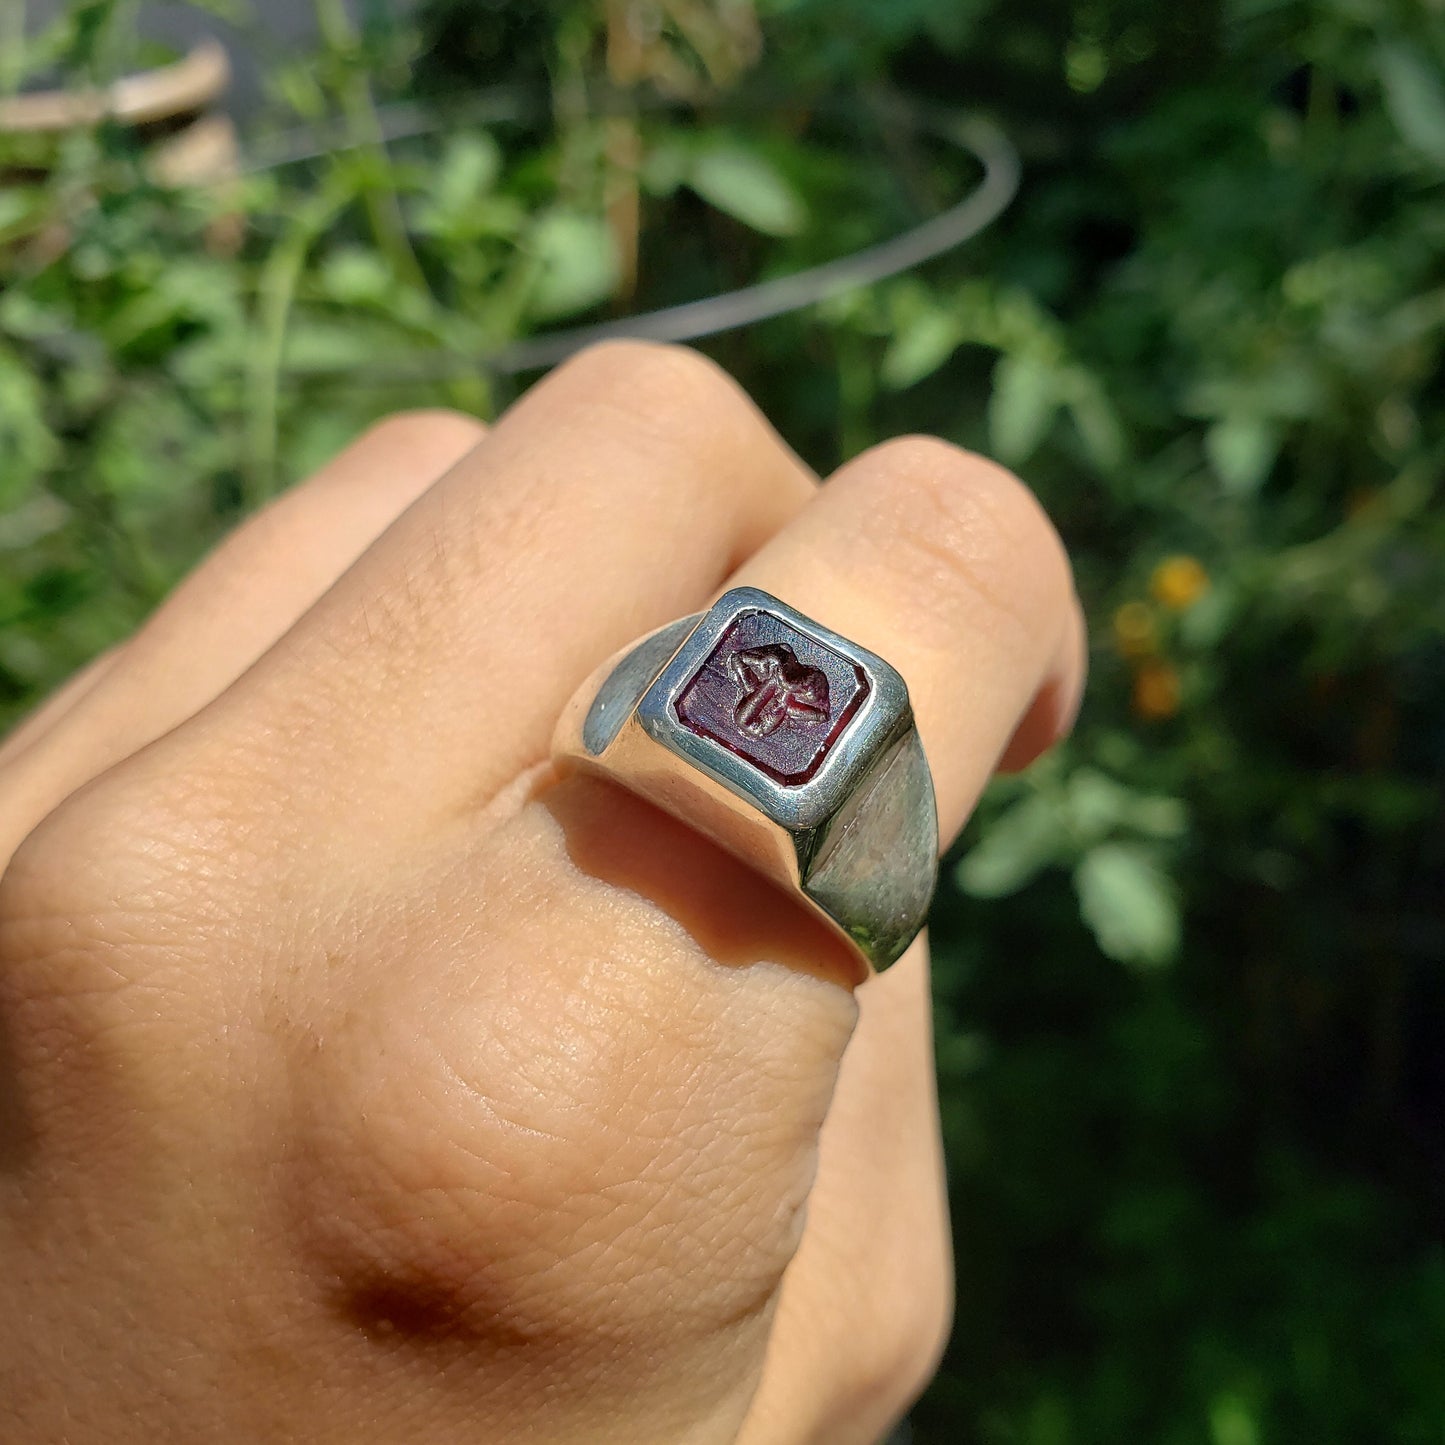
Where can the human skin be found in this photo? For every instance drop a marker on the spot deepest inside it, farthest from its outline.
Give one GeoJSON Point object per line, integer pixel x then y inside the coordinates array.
{"type": "Point", "coordinates": [365, 1079]}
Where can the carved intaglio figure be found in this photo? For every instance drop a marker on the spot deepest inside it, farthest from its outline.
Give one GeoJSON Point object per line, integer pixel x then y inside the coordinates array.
{"type": "Point", "coordinates": [776, 689]}
{"type": "Point", "coordinates": [770, 692]}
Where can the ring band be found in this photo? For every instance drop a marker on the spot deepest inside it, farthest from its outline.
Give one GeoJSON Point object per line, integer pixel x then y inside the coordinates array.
{"type": "Point", "coordinates": [786, 744]}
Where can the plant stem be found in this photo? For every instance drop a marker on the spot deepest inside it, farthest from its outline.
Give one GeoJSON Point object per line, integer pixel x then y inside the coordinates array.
{"type": "Point", "coordinates": [383, 205]}
{"type": "Point", "coordinates": [276, 290]}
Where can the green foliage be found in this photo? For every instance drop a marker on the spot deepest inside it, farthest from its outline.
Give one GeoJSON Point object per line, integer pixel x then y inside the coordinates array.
{"type": "Point", "coordinates": [737, 179]}
{"type": "Point", "coordinates": [1189, 970]}
{"type": "Point", "coordinates": [1126, 898]}
{"type": "Point", "coordinates": [1112, 837]}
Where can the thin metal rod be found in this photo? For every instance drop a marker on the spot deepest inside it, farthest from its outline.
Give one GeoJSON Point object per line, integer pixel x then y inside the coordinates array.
{"type": "Point", "coordinates": [730, 310]}
{"type": "Point", "coordinates": [768, 299]}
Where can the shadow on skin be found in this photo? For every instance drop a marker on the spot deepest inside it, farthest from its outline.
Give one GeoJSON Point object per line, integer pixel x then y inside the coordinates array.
{"type": "Point", "coordinates": [733, 914]}
{"type": "Point", "coordinates": [17, 1132]}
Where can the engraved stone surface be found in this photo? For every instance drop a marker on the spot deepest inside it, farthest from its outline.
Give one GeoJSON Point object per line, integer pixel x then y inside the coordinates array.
{"type": "Point", "coordinates": [776, 690]}
{"type": "Point", "coordinates": [774, 696]}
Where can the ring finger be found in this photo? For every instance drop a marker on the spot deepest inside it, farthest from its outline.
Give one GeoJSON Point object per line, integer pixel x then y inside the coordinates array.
{"type": "Point", "coordinates": [945, 565]}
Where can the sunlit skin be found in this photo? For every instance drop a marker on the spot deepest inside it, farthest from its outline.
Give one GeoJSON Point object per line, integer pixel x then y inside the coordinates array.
{"type": "Point", "coordinates": [364, 1079]}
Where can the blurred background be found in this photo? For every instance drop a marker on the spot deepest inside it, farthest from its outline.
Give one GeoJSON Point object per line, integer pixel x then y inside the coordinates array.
{"type": "Point", "coordinates": [1191, 969]}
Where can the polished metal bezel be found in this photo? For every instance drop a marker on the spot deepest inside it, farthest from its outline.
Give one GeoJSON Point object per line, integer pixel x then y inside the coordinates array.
{"type": "Point", "coordinates": [856, 839]}
{"type": "Point", "coordinates": [883, 716]}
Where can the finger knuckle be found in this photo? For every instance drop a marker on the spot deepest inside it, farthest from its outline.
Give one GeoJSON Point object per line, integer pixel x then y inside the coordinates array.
{"type": "Point", "coordinates": [660, 370]}
{"type": "Point", "coordinates": [134, 863]}
{"type": "Point", "coordinates": [552, 1167]}
{"type": "Point", "coordinates": [103, 913]}
{"type": "Point", "coordinates": [963, 529]}
{"type": "Point", "coordinates": [422, 432]}
{"type": "Point", "coordinates": [670, 394]}
{"type": "Point", "coordinates": [533, 1192]}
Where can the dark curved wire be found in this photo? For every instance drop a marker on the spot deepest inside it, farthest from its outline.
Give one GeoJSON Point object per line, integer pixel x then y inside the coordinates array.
{"type": "Point", "coordinates": [767, 299]}
{"type": "Point", "coordinates": [692, 320]}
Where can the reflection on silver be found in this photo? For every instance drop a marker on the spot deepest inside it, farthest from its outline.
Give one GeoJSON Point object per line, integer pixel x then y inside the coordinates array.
{"type": "Point", "coordinates": [790, 746]}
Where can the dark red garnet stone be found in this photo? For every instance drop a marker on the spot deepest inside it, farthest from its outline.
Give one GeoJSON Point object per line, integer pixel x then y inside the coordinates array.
{"type": "Point", "coordinates": [774, 696]}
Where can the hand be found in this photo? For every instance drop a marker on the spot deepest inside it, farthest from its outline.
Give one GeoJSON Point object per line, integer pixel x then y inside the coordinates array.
{"type": "Point", "coordinates": [363, 1081]}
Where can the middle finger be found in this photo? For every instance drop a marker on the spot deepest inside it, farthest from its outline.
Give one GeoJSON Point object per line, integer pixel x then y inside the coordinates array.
{"type": "Point", "coordinates": [612, 498]}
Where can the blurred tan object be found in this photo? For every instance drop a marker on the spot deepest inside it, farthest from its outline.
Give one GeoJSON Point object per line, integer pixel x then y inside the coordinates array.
{"type": "Point", "coordinates": [205, 151]}
{"type": "Point", "coordinates": [686, 48]}
{"type": "Point", "coordinates": [188, 143]}
{"type": "Point", "coordinates": [166, 93]}
{"type": "Point", "coordinates": [206, 154]}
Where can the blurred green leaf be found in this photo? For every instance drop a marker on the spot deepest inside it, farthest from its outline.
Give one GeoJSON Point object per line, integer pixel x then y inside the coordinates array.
{"type": "Point", "coordinates": [1242, 449]}
{"type": "Point", "coordinates": [1232, 1422]}
{"type": "Point", "coordinates": [744, 183]}
{"type": "Point", "coordinates": [578, 264]}
{"type": "Point", "coordinates": [460, 204]}
{"type": "Point", "coordinates": [1157, 817]}
{"type": "Point", "coordinates": [26, 317]}
{"type": "Point", "coordinates": [919, 347]}
{"type": "Point", "coordinates": [20, 209]}
{"type": "Point", "coordinates": [1097, 807]}
{"type": "Point", "coordinates": [1206, 624]}
{"type": "Point", "coordinates": [334, 346]}
{"type": "Point", "coordinates": [299, 87]}
{"type": "Point", "coordinates": [665, 165]}
{"type": "Point", "coordinates": [27, 445]}
{"type": "Point", "coordinates": [1018, 844]}
{"type": "Point", "coordinates": [470, 167]}
{"type": "Point", "coordinates": [355, 276]}
{"type": "Point", "coordinates": [1094, 805]}
{"type": "Point", "coordinates": [1021, 407]}
{"type": "Point", "coordinates": [1099, 428]}
{"type": "Point", "coordinates": [1129, 902]}
{"type": "Point", "coordinates": [191, 291]}
{"type": "Point", "coordinates": [1415, 96]}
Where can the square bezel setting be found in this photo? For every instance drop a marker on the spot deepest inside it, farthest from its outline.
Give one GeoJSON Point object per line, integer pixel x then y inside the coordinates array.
{"type": "Point", "coordinates": [773, 695]}
{"type": "Point", "coordinates": [779, 709]}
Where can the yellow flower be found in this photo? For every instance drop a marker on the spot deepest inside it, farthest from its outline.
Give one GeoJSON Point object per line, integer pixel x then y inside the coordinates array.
{"type": "Point", "coordinates": [1179, 582]}
{"type": "Point", "coordinates": [1156, 691]}
{"type": "Point", "coordinates": [1134, 631]}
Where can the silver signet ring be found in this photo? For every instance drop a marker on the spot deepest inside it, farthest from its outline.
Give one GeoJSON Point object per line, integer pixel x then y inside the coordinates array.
{"type": "Point", "coordinates": [786, 744]}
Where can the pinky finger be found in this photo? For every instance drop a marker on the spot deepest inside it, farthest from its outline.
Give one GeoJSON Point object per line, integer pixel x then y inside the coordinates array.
{"type": "Point", "coordinates": [248, 593]}
{"type": "Point", "coordinates": [1055, 707]}
{"type": "Point", "coordinates": [44, 717]}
